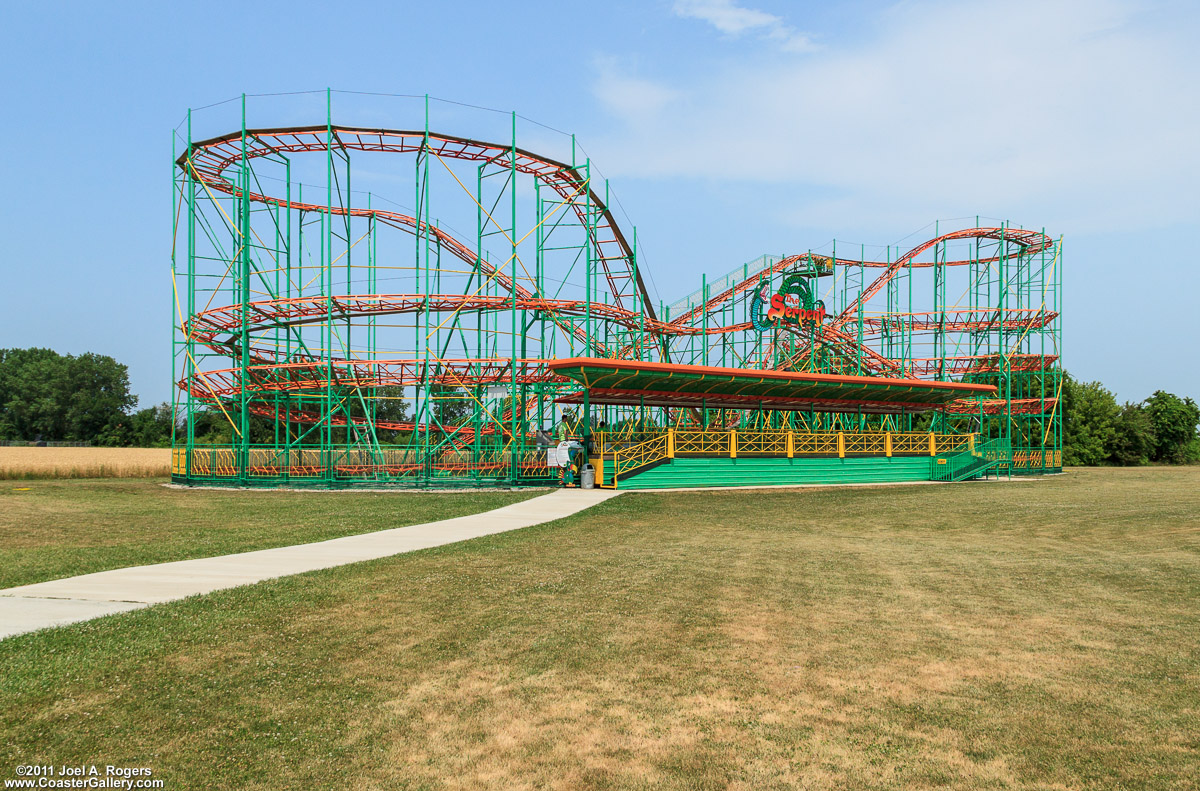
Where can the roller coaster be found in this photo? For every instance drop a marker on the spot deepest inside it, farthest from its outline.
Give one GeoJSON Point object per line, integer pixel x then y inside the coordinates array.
{"type": "Point", "coordinates": [342, 342]}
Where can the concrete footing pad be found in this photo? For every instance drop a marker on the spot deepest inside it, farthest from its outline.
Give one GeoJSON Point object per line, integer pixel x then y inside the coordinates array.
{"type": "Point", "coordinates": [44, 604]}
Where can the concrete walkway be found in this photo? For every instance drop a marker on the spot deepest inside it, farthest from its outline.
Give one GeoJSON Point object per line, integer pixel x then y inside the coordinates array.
{"type": "Point", "coordinates": [44, 604]}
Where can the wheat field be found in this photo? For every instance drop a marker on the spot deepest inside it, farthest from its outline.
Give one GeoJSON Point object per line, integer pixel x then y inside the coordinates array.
{"type": "Point", "coordinates": [22, 463]}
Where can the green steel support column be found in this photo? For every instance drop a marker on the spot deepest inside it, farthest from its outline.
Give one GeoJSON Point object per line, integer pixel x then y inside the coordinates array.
{"type": "Point", "coordinates": [514, 464]}
{"type": "Point", "coordinates": [860, 307]}
{"type": "Point", "coordinates": [744, 318]}
{"type": "Point", "coordinates": [301, 401]}
{"type": "Point", "coordinates": [287, 426]}
{"type": "Point", "coordinates": [587, 283]}
{"type": "Point", "coordinates": [939, 301]}
{"type": "Point", "coordinates": [1060, 280]}
{"type": "Point", "coordinates": [189, 341]}
{"type": "Point", "coordinates": [892, 308]}
{"type": "Point", "coordinates": [590, 271]}
{"type": "Point", "coordinates": [1041, 424]}
{"type": "Point", "coordinates": [372, 410]}
{"type": "Point", "coordinates": [476, 410]}
{"type": "Point", "coordinates": [539, 288]}
{"type": "Point", "coordinates": [813, 362]}
{"type": "Point", "coordinates": [176, 189]}
{"type": "Point", "coordinates": [279, 334]}
{"type": "Point", "coordinates": [906, 323]}
{"type": "Point", "coordinates": [637, 295]}
{"type": "Point", "coordinates": [327, 289]}
{"type": "Point", "coordinates": [347, 204]}
{"type": "Point", "coordinates": [243, 462]}
{"type": "Point", "coordinates": [428, 402]}
{"type": "Point", "coordinates": [1005, 361]}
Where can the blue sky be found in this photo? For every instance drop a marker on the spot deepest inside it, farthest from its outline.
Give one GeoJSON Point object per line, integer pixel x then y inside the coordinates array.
{"type": "Point", "coordinates": [727, 129]}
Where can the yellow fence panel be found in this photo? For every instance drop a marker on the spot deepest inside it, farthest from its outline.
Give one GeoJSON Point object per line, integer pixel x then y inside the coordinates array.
{"type": "Point", "coordinates": [873, 444]}
{"type": "Point", "coordinates": [819, 444]}
{"type": "Point", "coordinates": [705, 443]}
{"type": "Point", "coordinates": [768, 443]}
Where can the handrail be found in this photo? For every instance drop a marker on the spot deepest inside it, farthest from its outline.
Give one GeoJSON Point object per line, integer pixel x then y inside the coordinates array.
{"type": "Point", "coordinates": [972, 462]}
{"type": "Point", "coordinates": [752, 442]}
{"type": "Point", "coordinates": [952, 456]}
{"type": "Point", "coordinates": [632, 457]}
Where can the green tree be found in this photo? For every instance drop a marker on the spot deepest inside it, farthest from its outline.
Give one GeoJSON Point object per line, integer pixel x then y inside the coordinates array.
{"type": "Point", "coordinates": [1174, 420]}
{"type": "Point", "coordinates": [1133, 438]}
{"type": "Point", "coordinates": [63, 397]}
{"type": "Point", "coordinates": [150, 427]}
{"type": "Point", "coordinates": [1089, 422]}
{"type": "Point", "coordinates": [391, 407]}
{"type": "Point", "coordinates": [98, 400]}
{"type": "Point", "coordinates": [212, 427]}
{"type": "Point", "coordinates": [32, 382]}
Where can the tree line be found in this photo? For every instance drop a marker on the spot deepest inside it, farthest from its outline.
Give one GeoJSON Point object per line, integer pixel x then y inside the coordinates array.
{"type": "Point", "coordinates": [1097, 430]}
{"type": "Point", "coordinates": [52, 397]}
{"type": "Point", "coordinates": [56, 397]}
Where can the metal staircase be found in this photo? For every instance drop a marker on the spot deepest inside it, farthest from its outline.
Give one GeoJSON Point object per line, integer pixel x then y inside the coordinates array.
{"type": "Point", "coordinates": [991, 455]}
{"type": "Point", "coordinates": [631, 459]}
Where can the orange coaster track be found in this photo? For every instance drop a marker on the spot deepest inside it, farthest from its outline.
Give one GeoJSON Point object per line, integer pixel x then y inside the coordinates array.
{"type": "Point", "coordinates": [269, 373]}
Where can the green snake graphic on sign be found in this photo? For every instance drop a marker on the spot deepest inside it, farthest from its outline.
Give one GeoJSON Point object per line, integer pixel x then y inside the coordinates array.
{"type": "Point", "coordinates": [768, 313]}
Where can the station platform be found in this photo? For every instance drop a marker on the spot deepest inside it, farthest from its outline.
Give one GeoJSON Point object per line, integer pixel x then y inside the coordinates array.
{"type": "Point", "coordinates": [700, 458]}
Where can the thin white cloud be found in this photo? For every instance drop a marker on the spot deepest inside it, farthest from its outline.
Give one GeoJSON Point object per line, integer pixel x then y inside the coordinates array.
{"type": "Point", "coordinates": [1086, 118]}
{"type": "Point", "coordinates": [632, 98]}
{"type": "Point", "coordinates": [734, 20]}
{"type": "Point", "coordinates": [725, 16]}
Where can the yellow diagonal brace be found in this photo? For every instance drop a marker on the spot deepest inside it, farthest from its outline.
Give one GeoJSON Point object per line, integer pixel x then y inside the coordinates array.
{"type": "Point", "coordinates": [195, 366]}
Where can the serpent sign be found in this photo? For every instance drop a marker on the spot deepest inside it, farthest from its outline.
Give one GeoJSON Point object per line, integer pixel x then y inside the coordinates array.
{"type": "Point", "coordinates": [776, 310]}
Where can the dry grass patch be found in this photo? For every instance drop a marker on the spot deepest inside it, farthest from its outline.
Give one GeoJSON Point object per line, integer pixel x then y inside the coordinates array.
{"type": "Point", "coordinates": [23, 463]}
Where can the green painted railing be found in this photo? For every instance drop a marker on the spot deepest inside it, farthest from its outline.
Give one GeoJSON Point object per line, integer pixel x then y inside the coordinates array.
{"type": "Point", "coordinates": [972, 463]}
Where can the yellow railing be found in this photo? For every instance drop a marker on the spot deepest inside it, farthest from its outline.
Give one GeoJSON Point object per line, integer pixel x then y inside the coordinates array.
{"type": "Point", "coordinates": [873, 444]}
{"type": "Point", "coordinates": [314, 463]}
{"type": "Point", "coordinates": [762, 443]}
{"type": "Point", "coordinates": [715, 442]}
{"type": "Point", "coordinates": [806, 443]}
{"type": "Point", "coordinates": [701, 443]}
{"type": "Point", "coordinates": [953, 443]}
{"type": "Point", "coordinates": [910, 443]}
{"type": "Point", "coordinates": [606, 442]}
{"type": "Point", "coordinates": [633, 456]}
{"type": "Point", "coordinates": [214, 462]}
{"type": "Point", "coordinates": [1032, 459]}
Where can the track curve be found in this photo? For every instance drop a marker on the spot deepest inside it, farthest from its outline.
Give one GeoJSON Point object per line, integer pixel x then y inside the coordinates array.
{"type": "Point", "coordinates": [236, 330]}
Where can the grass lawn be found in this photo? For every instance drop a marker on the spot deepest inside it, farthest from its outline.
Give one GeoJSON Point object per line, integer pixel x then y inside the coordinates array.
{"type": "Point", "coordinates": [1026, 635]}
{"type": "Point", "coordinates": [60, 528]}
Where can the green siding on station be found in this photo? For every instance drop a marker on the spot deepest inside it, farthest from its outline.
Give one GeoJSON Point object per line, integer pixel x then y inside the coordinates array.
{"type": "Point", "coordinates": [701, 472]}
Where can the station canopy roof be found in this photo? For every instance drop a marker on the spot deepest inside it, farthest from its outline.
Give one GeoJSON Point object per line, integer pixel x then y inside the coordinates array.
{"type": "Point", "coordinates": [633, 383]}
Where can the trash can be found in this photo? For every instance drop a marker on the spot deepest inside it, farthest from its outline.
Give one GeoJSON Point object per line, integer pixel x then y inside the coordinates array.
{"type": "Point", "coordinates": [587, 479]}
